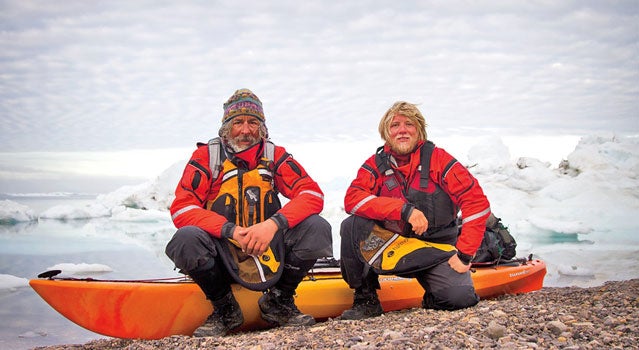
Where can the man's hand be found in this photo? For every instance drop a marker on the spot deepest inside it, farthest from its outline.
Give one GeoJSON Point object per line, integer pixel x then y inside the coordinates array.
{"type": "Point", "coordinates": [255, 240]}
{"type": "Point", "coordinates": [457, 264]}
{"type": "Point", "coordinates": [419, 222]}
{"type": "Point", "coordinates": [239, 235]}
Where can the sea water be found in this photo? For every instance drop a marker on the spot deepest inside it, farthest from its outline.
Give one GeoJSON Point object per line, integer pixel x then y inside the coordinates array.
{"type": "Point", "coordinates": [131, 250]}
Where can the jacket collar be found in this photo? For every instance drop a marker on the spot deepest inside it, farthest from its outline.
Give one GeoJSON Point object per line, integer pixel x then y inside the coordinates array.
{"type": "Point", "coordinates": [248, 158]}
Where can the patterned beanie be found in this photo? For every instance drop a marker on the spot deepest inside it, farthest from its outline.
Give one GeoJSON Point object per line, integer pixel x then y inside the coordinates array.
{"type": "Point", "coordinates": [243, 102]}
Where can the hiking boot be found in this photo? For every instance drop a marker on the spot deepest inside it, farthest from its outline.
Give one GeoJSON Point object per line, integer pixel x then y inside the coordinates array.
{"type": "Point", "coordinates": [226, 316]}
{"type": "Point", "coordinates": [364, 306]}
{"type": "Point", "coordinates": [279, 309]}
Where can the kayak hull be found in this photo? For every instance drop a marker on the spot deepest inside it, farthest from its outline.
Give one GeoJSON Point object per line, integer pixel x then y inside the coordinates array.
{"type": "Point", "coordinates": [153, 310]}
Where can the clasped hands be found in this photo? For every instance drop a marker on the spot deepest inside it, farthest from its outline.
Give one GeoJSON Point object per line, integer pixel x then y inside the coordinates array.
{"type": "Point", "coordinates": [254, 240]}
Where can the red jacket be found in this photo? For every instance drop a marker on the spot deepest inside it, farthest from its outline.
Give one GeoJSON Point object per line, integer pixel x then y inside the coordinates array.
{"type": "Point", "coordinates": [462, 188]}
{"type": "Point", "coordinates": [196, 187]}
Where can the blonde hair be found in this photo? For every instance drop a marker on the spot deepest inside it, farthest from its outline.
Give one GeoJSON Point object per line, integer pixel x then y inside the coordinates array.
{"type": "Point", "coordinates": [408, 110]}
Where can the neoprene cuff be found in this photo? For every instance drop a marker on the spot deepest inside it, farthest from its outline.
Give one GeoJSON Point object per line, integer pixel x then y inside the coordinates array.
{"type": "Point", "coordinates": [407, 209]}
{"type": "Point", "coordinates": [465, 258]}
{"type": "Point", "coordinates": [280, 220]}
{"type": "Point", "coordinates": [227, 230]}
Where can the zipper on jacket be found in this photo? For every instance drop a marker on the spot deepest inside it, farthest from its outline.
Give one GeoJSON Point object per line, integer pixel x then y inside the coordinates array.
{"type": "Point", "coordinates": [240, 198]}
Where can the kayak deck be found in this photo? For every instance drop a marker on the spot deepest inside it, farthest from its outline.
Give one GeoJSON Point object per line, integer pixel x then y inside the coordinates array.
{"type": "Point", "coordinates": [153, 310]}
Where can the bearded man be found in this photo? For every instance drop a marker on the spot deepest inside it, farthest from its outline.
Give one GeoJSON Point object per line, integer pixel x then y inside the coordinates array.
{"type": "Point", "coordinates": [227, 200]}
{"type": "Point", "coordinates": [404, 206]}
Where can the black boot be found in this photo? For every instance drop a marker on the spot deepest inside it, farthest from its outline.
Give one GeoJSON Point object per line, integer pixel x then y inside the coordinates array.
{"type": "Point", "coordinates": [226, 316]}
{"type": "Point", "coordinates": [278, 308]}
{"type": "Point", "coordinates": [365, 304]}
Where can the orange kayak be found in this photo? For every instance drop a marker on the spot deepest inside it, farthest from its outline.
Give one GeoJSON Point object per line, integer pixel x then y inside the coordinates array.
{"type": "Point", "coordinates": [156, 309]}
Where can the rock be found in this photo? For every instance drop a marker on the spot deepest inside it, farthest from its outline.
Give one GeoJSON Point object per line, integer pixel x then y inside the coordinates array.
{"type": "Point", "coordinates": [610, 321]}
{"type": "Point", "coordinates": [495, 330]}
{"type": "Point", "coordinates": [556, 327]}
{"type": "Point", "coordinates": [499, 314]}
{"type": "Point", "coordinates": [392, 335]}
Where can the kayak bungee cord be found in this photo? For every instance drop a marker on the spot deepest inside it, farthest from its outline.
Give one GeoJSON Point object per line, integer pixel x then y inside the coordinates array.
{"type": "Point", "coordinates": [51, 275]}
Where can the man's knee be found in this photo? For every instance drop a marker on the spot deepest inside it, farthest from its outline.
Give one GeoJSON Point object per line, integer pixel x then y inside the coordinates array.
{"type": "Point", "coordinates": [355, 228]}
{"type": "Point", "coordinates": [451, 298]}
{"type": "Point", "coordinates": [310, 239]}
{"type": "Point", "coordinates": [190, 248]}
{"type": "Point", "coordinates": [320, 227]}
{"type": "Point", "coordinates": [346, 228]}
{"type": "Point", "coordinates": [186, 235]}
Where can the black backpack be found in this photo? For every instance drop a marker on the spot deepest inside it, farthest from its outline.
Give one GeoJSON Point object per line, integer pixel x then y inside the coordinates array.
{"type": "Point", "coordinates": [498, 244]}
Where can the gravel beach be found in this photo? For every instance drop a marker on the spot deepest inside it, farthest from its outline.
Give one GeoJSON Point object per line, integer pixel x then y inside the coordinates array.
{"type": "Point", "coordinates": [603, 317]}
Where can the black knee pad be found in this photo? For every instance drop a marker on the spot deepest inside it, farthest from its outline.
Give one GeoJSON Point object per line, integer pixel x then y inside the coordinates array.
{"type": "Point", "coordinates": [451, 298]}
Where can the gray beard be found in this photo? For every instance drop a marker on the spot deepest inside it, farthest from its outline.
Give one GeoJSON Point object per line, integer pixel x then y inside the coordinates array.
{"type": "Point", "coordinates": [233, 143]}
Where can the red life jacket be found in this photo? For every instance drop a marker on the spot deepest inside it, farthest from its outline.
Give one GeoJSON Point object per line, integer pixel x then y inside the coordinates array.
{"type": "Point", "coordinates": [426, 195]}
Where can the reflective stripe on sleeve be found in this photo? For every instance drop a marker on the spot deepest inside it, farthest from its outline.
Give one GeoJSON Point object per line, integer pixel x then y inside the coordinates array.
{"type": "Point", "coordinates": [184, 210]}
{"type": "Point", "coordinates": [362, 202]}
{"type": "Point", "coordinates": [313, 193]}
{"type": "Point", "coordinates": [476, 216]}
{"type": "Point", "coordinates": [448, 167]}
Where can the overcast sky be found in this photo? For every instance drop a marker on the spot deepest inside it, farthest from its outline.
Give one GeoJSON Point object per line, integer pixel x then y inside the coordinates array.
{"type": "Point", "coordinates": [145, 75]}
{"type": "Point", "coordinates": [96, 75]}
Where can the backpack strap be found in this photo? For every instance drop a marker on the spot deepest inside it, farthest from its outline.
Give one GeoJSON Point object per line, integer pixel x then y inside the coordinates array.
{"type": "Point", "coordinates": [427, 153]}
{"type": "Point", "coordinates": [383, 162]}
{"type": "Point", "coordinates": [383, 165]}
{"type": "Point", "coordinates": [269, 153]}
{"type": "Point", "coordinates": [217, 155]}
{"type": "Point", "coordinates": [269, 150]}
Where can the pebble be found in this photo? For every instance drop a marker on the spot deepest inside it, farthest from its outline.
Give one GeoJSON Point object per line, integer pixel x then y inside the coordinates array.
{"type": "Point", "coordinates": [495, 330]}
{"type": "Point", "coordinates": [605, 316]}
{"type": "Point", "coordinates": [556, 327]}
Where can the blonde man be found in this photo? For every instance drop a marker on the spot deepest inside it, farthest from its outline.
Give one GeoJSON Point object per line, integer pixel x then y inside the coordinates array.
{"type": "Point", "coordinates": [409, 194]}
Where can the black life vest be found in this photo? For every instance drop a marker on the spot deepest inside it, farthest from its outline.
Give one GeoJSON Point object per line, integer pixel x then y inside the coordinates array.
{"type": "Point", "coordinates": [391, 247]}
{"type": "Point", "coordinates": [426, 195]}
